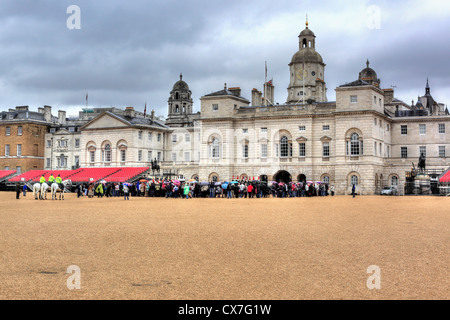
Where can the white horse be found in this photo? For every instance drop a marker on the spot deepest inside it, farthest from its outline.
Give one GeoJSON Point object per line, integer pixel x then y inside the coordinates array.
{"type": "Point", "coordinates": [55, 188]}
{"type": "Point", "coordinates": [44, 189]}
{"type": "Point", "coordinates": [36, 190]}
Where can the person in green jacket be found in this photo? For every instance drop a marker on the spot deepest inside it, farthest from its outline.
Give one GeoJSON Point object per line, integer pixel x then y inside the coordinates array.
{"type": "Point", "coordinates": [99, 190]}
{"type": "Point", "coordinates": [51, 179]}
{"type": "Point", "coordinates": [58, 180]}
{"type": "Point", "coordinates": [186, 190]}
{"type": "Point", "coordinates": [42, 180]}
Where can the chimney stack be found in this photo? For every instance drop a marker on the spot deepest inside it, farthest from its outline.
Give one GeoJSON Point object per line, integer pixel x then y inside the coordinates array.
{"type": "Point", "coordinates": [153, 115]}
{"type": "Point", "coordinates": [129, 111]}
{"type": "Point", "coordinates": [22, 108]}
{"type": "Point", "coordinates": [62, 117]}
{"type": "Point", "coordinates": [48, 114]}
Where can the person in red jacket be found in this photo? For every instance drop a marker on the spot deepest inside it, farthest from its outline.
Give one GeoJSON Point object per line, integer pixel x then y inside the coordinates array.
{"type": "Point", "coordinates": [249, 190]}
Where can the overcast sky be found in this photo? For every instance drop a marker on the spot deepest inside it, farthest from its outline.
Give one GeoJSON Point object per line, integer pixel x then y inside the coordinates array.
{"type": "Point", "coordinates": [128, 53]}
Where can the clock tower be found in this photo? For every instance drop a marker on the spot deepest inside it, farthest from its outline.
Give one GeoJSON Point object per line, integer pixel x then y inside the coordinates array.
{"type": "Point", "coordinates": [307, 71]}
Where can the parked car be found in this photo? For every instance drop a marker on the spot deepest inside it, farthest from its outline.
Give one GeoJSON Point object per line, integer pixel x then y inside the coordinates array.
{"type": "Point", "coordinates": [391, 191]}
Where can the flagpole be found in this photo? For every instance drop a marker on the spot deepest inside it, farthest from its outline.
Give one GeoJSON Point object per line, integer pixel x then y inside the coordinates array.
{"type": "Point", "coordinates": [265, 85]}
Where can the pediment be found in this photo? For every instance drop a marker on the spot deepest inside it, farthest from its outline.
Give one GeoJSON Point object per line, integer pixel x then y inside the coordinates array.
{"type": "Point", "coordinates": [106, 120]}
{"type": "Point", "coordinates": [301, 139]}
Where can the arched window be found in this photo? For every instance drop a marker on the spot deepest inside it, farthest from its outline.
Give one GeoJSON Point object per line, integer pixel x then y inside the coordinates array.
{"type": "Point", "coordinates": [354, 180]}
{"type": "Point", "coordinates": [326, 179]}
{"type": "Point", "coordinates": [394, 181]}
{"type": "Point", "coordinates": [215, 148]}
{"type": "Point", "coordinates": [177, 108]}
{"type": "Point", "coordinates": [284, 147]}
{"type": "Point", "coordinates": [354, 144]}
{"type": "Point", "coordinates": [107, 153]}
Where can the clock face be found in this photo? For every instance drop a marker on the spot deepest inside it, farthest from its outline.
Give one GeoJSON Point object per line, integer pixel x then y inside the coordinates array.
{"type": "Point", "coordinates": [301, 74]}
{"type": "Point", "coordinates": [313, 73]}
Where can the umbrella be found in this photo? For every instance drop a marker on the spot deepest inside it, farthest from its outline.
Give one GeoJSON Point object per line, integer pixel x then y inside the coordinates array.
{"type": "Point", "coordinates": [281, 183]}
{"type": "Point", "coordinates": [217, 184]}
{"type": "Point", "coordinates": [103, 181]}
{"type": "Point", "coordinates": [143, 180]}
{"type": "Point", "coordinates": [204, 183]}
{"type": "Point", "coordinates": [234, 182]}
{"type": "Point", "coordinates": [177, 182]}
{"type": "Point", "coordinates": [225, 185]}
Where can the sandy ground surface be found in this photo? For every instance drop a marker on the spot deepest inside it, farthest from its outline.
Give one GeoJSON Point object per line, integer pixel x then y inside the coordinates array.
{"type": "Point", "coordinates": [302, 248]}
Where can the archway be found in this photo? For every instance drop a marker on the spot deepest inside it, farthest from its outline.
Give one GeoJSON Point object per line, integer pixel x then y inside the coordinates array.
{"type": "Point", "coordinates": [301, 178]}
{"type": "Point", "coordinates": [282, 176]}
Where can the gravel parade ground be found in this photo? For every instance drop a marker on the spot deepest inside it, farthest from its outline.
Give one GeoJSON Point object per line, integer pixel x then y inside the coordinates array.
{"type": "Point", "coordinates": [256, 249]}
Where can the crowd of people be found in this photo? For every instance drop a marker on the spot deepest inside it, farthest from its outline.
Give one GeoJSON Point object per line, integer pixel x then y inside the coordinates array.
{"type": "Point", "coordinates": [194, 189]}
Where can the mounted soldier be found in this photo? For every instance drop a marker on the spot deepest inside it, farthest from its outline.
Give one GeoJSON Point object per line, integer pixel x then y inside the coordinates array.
{"type": "Point", "coordinates": [421, 163]}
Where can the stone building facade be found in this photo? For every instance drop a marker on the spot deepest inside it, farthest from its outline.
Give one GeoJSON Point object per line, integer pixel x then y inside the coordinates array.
{"type": "Point", "coordinates": [366, 137]}
{"type": "Point", "coordinates": [22, 138]}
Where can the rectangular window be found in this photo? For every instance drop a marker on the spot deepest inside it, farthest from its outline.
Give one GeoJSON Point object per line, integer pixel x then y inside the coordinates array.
{"type": "Point", "coordinates": [264, 151]}
{"type": "Point", "coordinates": [77, 161]}
{"type": "Point", "coordinates": [375, 148]}
{"type": "Point", "coordinates": [140, 135]}
{"type": "Point", "coordinates": [244, 130]}
{"type": "Point", "coordinates": [388, 151]}
{"type": "Point", "coordinates": [139, 155]}
{"type": "Point", "coordinates": [353, 99]}
{"type": "Point", "coordinates": [423, 150]}
{"type": "Point", "coordinates": [149, 155]}
{"type": "Point", "coordinates": [19, 150]}
{"type": "Point", "coordinates": [245, 151]}
{"type": "Point", "coordinates": [422, 129]}
{"type": "Point", "coordinates": [302, 128]}
{"type": "Point", "coordinates": [174, 156]}
{"type": "Point", "coordinates": [404, 152]}
{"type": "Point", "coordinates": [8, 131]}
{"type": "Point", "coordinates": [441, 127]}
{"type": "Point", "coordinates": [77, 143]}
{"type": "Point", "coordinates": [19, 130]}
{"type": "Point", "coordinates": [48, 162]}
{"type": "Point", "coordinates": [187, 157]}
{"type": "Point", "coordinates": [326, 128]}
{"type": "Point", "coordinates": [6, 150]}
{"type": "Point", "coordinates": [52, 130]}
{"type": "Point", "coordinates": [263, 130]}
{"type": "Point", "coordinates": [375, 121]}
{"type": "Point", "coordinates": [149, 136]}
{"type": "Point", "coordinates": [326, 149]}
{"type": "Point", "coordinates": [71, 129]}
{"type": "Point", "coordinates": [302, 149]}
{"type": "Point", "coordinates": [404, 130]}
{"type": "Point", "coordinates": [174, 138]}
{"type": "Point", "coordinates": [215, 107]}
{"type": "Point", "coordinates": [159, 137]}
{"type": "Point", "coordinates": [92, 156]}
{"type": "Point", "coordinates": [49, 143]}
{"type": "Point", "coordinates": [123, 155]}
{"type": "Point", "coordinates": [442, 151]}
{"type": "Point", "coordinates": [159, 156]}
{"type": "Point", "coordinates": [19, 170]}
{"type": "Point", "coordinates": [187, 137]}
